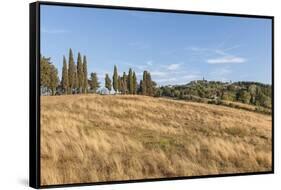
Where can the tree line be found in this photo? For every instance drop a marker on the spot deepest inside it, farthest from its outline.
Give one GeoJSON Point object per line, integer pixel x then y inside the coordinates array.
{"type": "Point", "coordinates": [253, 93]}
{"type": "Point", "coordinates": [75, 80]}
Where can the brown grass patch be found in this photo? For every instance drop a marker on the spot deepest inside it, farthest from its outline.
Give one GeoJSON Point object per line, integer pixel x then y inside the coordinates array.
{"type": "Point", "coordinates": [91, 138]}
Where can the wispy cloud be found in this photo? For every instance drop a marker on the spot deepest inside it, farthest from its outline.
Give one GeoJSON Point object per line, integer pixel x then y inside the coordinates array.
{"type": "Point", "coordinates": [173, 67]}
{"type": "Point", "coordinates": [226, 59]}
{"type": "Point", "coordinates": [218, 55]}
{"type": "Point", "coordinates": [54, 31]}
{"type": "Point", "coordinates": [158, 73]}
{"type": "Point", "coordinates": [149, 62]}
{"type": "Point", "coordinates": [191, 77]}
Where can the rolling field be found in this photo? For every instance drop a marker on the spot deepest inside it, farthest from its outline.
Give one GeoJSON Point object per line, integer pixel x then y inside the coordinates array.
{"type": "Point", "coordinates": [91, 138]}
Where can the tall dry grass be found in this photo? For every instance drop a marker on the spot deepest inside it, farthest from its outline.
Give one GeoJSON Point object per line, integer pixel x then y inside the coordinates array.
{"type": "Point", "coordinates": [90, 138]}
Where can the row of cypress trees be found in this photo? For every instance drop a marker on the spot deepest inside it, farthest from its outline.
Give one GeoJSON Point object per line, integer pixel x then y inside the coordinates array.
{"type": "Point", "coordinates": [75, 78]}
{"type": "Point", "coordinates": [127, 83]}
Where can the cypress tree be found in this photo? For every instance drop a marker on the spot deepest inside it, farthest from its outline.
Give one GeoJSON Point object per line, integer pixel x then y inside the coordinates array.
{"type": "Point", "coordinates": [71, 71]}
{"type": "Point", "coordinates": [80, 73]}
{"type": "Point", "coordinates": [140, 89]}
{"type": "Point", "coordinates": [64, 79]}
{"type": "Point", "coordinates": [130, 82]}
{"type": "Point", "coordinates": [149, 87]}
{"type": "Point", "coordinates": [85, 75]}
{"type": "Point", "coordinates": [115, 79]}
{"type": "Point", "coordinates": [119, 84]}
{"type": "Point", "coordinates": [144, 83]}
{"type": "Point", "coordinates": [54, 79]}
{"type": "Point", "coordinates": [124, 83]}
{"type": "Point", "coordinates": [76, 81]}
{"type": "Point", "coordinates": [108, 84]}
{"type": "Point", "coordinates": [135, 83]}
{"type": "Point", "coordinates": [94, 83]}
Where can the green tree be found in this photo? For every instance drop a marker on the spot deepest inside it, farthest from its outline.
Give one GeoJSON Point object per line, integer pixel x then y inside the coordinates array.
{"type": "Point", "coordinates": [252, 90]}
{"type": "Point", "coordinates": [177, 93]}
{"type": "Point", "coordinates": [244, 96]}
{"type": "Point", "coordinates": [119, 84]}
{"type": "Point", "coordinates": [124, 83]}
{"type": "Point", "coordinates": [85, 75]}
{"type": "Point", "coordinates": [108, 84]}
{"type": "Point", "coordinates": [135, 83]}
{"type": "Point", "coordinates": [44, 71]}
{"type": "Point", "coordinates": [149, 87]}
{"type": "Point", "coordinates": [140, 88]}
{"type": "Point", "coordinates": [80, 73]}
{"type": "Point", "coordinates": [144, 83]}
{"type": "Point", "coordinates": [94, 83]}
{"type": "Point", "coordinates": [115, 79]}
{"type": "Point", "coordinates": [130, 82]}
{"type": "Point", "coordinates": [54, 79]}
{"type": "Point", "coordinates": [64, 79]}
{"type": "Point", "coordinates": [76, 81]}
{"type": "Point", "coordinates": [262, 99]}
{"type": "Point", "coordinates": [71, 71]}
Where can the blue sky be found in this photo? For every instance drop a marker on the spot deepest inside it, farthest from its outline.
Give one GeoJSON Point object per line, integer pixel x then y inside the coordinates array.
{"type": "Point", "coordinates": [174, 48]}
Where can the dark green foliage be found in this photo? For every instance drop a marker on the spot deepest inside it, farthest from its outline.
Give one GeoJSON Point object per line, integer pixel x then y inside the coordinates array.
{"type": "Point", "coordinates": [130, 82]}
{"type": "Point", "coordinates": [48, 75]}
{"type": "Point", "coordinates": [246, 92]}
{"type": "Point", "coordinates": [80, 73]}
{"type": "Point", "coordinates": [71, 72]}
{"type": "Point", "coordinates": [228, 95]}
{"type": "Point", "coordinates": [85, 75]}
{"type": "Point", "coordinates": [64, 79]}
{"type": "Point", "coordinates": [144, 83]}
{"type": "Point", "coordinates": [124, 89]}
{"type": "Point", "coordinates": [94, 83]}
{"type": "Point", "coordinates": [108, 84]}
{"type": "Point", "coordinates": [45, 71]}
{"type": "Point", "coordinates": [76, 81]}
{"type": "Point", "coordinates": [158, 92]}
{"type": "Point", "coordinates": [119, 82]}
{"type": "Point", "coordinates": [244, 96]}
{"type": "Point", "coordinates": [140, 90]}
{"type": "Point", "coordinates": [115, 79]}
{"type": "Point", "coordinates": [135, 83]}
{"type": "Point", "coordinates": [54, 79]}
{"type": "Point", "coordinates": [147, 85]}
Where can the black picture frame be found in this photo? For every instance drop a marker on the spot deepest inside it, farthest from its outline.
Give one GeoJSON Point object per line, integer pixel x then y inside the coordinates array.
{"type": "Point", "coordinates": [34, 92]}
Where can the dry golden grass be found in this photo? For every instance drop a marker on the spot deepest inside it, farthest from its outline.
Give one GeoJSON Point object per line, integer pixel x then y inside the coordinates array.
{"type": "Point", "coordinates": [90, 138]}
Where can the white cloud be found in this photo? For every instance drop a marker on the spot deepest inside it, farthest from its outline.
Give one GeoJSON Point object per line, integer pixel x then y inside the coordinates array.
{"type": "Point", "coordinates": [165, 80]}
{"type": "Point", "coordinates": [149, 63]}
{"type": "Point", "coordinates": [226, 59]}
{"type": "Point", "coordinates": [173, 67]}
{"type": "Point", "coordinates": [222, 55]}
{"type": "Point", "coordinates": [158, 73]}
{"type": "Point", "coordinates": [190, 77]}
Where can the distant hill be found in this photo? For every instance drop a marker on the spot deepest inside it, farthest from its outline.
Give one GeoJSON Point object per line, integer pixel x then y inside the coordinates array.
{"type": "Point", "coordinates": [252, 93]}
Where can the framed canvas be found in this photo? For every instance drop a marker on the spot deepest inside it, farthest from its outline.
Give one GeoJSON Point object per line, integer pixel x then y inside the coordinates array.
{"type": "Point", "coordinates": [126, 94]}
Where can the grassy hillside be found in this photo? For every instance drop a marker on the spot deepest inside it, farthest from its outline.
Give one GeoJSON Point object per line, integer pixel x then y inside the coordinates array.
{"type": "Point", "coordinates": [89, 138]}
